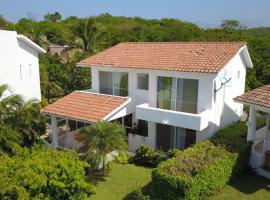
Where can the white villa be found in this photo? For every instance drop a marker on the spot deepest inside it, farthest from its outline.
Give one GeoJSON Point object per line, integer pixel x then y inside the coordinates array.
{"type": "Point", "coordinates": [166, 95]}
{"type": "Point", "coordinates": [19, 66]}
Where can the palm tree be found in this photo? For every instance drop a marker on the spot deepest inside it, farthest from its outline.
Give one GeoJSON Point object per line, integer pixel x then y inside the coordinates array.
{"type": "Point", "coordinates": [101, 138]}
{"type": "Point", "coordinates": [86, 31]}
{"type": "Point", "coordinates": [21, 123]}
{"type": "Point", "coordinates": [9, 138]}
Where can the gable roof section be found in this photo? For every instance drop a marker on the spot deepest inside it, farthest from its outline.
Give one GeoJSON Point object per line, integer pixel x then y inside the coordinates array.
{"type": "Point", "coordinates": [205, 57]}
{"type": "Point", "coordinates": [258, 97]}
{"type": "Point", "coordinates": [85, 106]}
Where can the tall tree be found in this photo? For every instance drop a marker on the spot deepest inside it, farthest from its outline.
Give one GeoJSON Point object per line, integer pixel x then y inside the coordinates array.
{"type": "Point", "coordinates": [53, 17]}
{"type": "Point", "coordinates": [86, 31]}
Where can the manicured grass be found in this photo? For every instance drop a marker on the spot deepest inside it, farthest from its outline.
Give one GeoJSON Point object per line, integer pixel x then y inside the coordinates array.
{"type": "Point", "coordinates": [246, 187]}
{"type": "Point", "coordinates": [126, 178]}
{"type": "Point", "coordinates": [121, 182]}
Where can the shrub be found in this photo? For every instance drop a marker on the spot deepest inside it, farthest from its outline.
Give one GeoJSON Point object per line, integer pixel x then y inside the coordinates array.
{"type": "Point", "coordinates": [43, 173]}
{"type": "Point", "coordinates": [122, 158]}
{"type": "Point", "coordinates": [234, 139]}
{"type": "Point", "coordinates": [138, 195]}
{"type": "Point", "coordinates": [195, 174]}
{"type": "Point", "coordinates": [174, 153]}
{"type": "Point", "coordinates": [146, 156]}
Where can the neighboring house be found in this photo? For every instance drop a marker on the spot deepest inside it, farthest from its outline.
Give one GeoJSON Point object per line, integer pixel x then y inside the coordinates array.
{"type": "Point", "coordinates": [19, 65]}
{"type": "Point", "coordinates": [167, 95]}
{"type": "Point", "coordinates": [258, 100]}
{"type": "Point", "coordinates": [55, 49]}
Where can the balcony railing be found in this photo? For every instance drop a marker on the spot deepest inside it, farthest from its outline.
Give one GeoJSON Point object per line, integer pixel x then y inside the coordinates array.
{"type": "Point", "coordinates": [174, 118]}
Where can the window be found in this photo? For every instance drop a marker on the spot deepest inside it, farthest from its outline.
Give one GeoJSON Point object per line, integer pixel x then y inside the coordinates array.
{"type": "Point", "coordinates": [141, 128]}
{"type": "Point", "coordinates": [30, 70]}
{"type": "Point", "coordinates": [142, 81]}
{"type": "Point", "coordinates": [21, 72]}
{"type": "Point", "coordinates": [177, 94]}
{"type": "Point", "coordinates": [238, 74]}
{"type": "Point", "coordinates": [113, 83]}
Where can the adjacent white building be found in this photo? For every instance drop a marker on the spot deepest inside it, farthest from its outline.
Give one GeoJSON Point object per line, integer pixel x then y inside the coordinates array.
{"type": "Point", "coordinates": [173, 94]}
{"type": "Point", "coordinates": [19, 65]}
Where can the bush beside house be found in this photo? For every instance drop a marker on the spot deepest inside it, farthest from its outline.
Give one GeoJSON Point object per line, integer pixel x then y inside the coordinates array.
{"type": "Point", "coordinates": [43, 173]}
{"type": "Point", "coordinates": [148, 157]}
{"type": "Point", "coordinates": [195, 174]}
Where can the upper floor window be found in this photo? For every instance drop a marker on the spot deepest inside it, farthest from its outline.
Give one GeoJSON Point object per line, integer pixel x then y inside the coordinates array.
{"type": "Point", "coordinates": [142, 81]}
{"type": "Point", "coordinates": [177, 94]}
{"type": "Point", "coordinates": [113, 83]}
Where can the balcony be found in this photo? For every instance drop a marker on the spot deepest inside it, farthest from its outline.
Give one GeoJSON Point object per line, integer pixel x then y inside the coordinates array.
{"type": "Point", "coordinates": [174, 118]}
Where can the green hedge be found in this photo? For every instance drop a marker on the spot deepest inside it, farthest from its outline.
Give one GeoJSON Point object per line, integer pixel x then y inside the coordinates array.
{"type": "Point", "coordinates": [234, 139]}
{"type": "Point", "coordinates": [194, 174]}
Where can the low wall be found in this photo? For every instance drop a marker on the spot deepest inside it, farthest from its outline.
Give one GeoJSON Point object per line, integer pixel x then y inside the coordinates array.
{"type": "Point", "coordinates": [134, 141]}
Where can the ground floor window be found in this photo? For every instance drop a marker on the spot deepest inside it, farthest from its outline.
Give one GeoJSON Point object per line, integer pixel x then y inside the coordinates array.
{"type": "Point", "coordinates": [141, 128]}
{"type": "Point", "coordinates": [171, 137]}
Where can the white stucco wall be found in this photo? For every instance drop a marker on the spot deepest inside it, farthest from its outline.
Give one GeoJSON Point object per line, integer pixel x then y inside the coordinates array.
{"type": "Point", "coordinates": [225, 110]}
{"type": "Point", "coordinates": [19, 66]}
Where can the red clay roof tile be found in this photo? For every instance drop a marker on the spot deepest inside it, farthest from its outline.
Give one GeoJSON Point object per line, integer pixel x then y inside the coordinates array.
{"type": "Point", "coordinates": [259, 97]}
{"type": "Point", "coordinates": [85, 106]}
{"type": "Point", "coordinates": [207, 57]}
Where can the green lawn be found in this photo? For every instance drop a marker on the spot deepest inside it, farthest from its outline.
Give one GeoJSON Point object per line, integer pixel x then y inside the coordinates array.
{"type": "Point", "coordinates": [122, 181]}
{"type": "Point", "coordinates": [246, 187]}
{"type": "Point", "coordinates": [125, 178]}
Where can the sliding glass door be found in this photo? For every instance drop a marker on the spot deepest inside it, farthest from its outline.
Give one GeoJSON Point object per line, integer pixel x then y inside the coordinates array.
{"type": "Point", "coordinates": [113, 83]}
{"type": "Point", "coordinates": [171, 137]}
{"type": "Point", "coordinates": [177, 94]}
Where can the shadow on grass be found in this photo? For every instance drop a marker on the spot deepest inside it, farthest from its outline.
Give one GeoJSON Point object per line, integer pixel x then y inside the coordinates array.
{"type": "Point", "coordinates": [146, 190]}
{"type": "Point", "coordinates": [96, 178]}
{"type": "Point", "coordinates": [249, 183]}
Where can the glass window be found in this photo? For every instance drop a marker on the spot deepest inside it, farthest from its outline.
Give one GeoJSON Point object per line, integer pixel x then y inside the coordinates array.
{"type": "Point", "coordinates": [113, 83]}
{"type": "Point", "coordinates": [106, 82]}
{"type": "Point", "coordinates": [164, 93]}
{"type": "Point", "coordinates": [142, 81]}
{"type": "Point", "coordinates": [120, 84]}
{"type": "Point", "coordinates": [187, 95]}
{"type": "Point", "coordinates": [177, 94]}
{"type": "Point", "coordinates": [141, 128]}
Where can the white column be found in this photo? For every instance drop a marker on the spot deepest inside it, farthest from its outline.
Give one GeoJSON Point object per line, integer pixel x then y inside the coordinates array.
{"type": "Point", "coordinates": [54, 131]}
{"type": "Point", "coordinates": [151, 139]}
{"type": "Point", "coordinates": [152, 90]}
{"type": "Point", "coordinates": [251, 124]}
{"type": "Point", "coordinates": [95, 79]}
{"type": "Point", "coordinates": [266, 146]}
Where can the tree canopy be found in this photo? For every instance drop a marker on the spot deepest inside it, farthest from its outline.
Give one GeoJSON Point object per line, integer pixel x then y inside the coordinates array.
{"type": "Point", "coordinates": [87, 36]}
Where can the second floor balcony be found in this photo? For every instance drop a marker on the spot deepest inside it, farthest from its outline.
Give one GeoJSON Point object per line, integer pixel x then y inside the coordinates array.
{"type": "Point", "coordinates": [174, 118]}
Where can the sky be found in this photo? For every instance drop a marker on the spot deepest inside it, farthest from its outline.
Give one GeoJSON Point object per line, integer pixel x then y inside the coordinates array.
{"type": "Point", "coordinates": [205, 13]}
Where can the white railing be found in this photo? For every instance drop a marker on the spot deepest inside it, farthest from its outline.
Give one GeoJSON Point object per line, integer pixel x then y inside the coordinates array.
{"type": "Point", "coordinates": [174, 118]}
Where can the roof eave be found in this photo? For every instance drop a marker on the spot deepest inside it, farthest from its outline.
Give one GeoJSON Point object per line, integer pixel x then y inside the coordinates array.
{"type": "Point", "coordinates": [31, 43]}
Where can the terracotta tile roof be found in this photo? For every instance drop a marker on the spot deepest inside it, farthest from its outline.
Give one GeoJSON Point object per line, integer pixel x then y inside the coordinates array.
{"type": "Point", "coordinates": [259, 96]}
{"type": "Point", "coordinates": [85, 106]}
{"type": "Point", "coordinates": [208, 57]}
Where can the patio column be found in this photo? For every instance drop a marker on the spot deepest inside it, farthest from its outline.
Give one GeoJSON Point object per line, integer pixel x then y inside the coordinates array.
{"type": "Point", "coordinates": [54, 131]}
{"type": "Point", "coordinates": [251, 124]}
{"type": "Point", "coordinates": [266, 146]}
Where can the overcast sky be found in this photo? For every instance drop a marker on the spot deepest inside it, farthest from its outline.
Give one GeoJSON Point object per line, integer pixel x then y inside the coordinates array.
{"type": "Point", "coordinates": [252, 13]}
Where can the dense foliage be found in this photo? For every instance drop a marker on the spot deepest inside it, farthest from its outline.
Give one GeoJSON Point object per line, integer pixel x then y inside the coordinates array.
{"type": "Point", "coordinates": [148, 157]}
{"type": "Point", "coordinates": [43, 173]}
{"type": "Point", "coordinates": [86, 36]}
{"type": "Point", "coordinates": [234, 139]}
{"type": "Point", "coordinates": [21, 123]}
{"type": "Point", "coordinates": [196, 173]}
